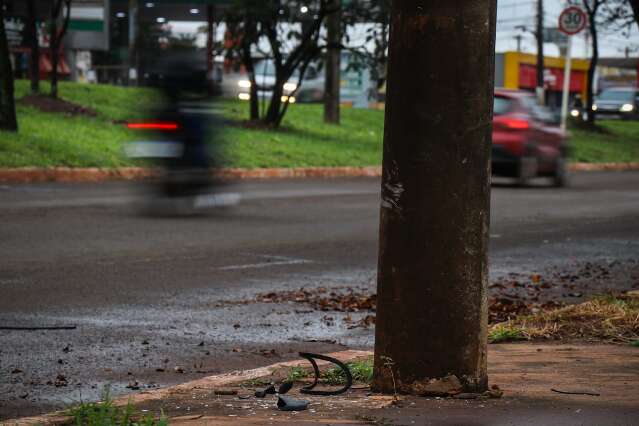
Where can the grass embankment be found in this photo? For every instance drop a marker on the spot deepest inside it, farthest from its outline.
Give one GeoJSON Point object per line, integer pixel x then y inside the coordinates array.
{"type": "Point", "coordinates": [55, 139]}
{"type": "Point", "coordinates": [603, 319]}
{"type": "Point", "coordinates": [106, 413]}
{"type": "Point", "coordinates": [614, 142]}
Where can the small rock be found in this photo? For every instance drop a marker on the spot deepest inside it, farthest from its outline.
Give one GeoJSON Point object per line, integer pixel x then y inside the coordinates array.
{"type": "Point", "coordinates": [236, 326]}
{"type": "Point", "coordinates": [446, 386]}
{"type": "Point", "coordinates": [24, 395]}
{"type": "Point", "coordinates": [60, 381]}
{"type": "Point", "coordinates": [66, 349]}
{"type": "Point", "coordinates": [145, 342]}
{"type": "Point", "coordinates": [160, 370]}
{"type": "Point", "coordinates": [201, 343]}
{"type": "Point", "coordinates": [178, 369]}
{"type": "Point", "coordinates": [134, 385]}
{"type": "Point", "coordinates": [494, 392]}
{"type": "Point", "coordinates": [16, 371]}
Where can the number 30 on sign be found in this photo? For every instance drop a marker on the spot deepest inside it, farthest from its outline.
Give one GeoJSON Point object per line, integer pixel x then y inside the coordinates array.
{"type": "Point", "coordinates": [572, 20]}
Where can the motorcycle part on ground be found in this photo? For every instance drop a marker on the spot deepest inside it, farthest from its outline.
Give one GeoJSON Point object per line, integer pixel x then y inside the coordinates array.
{"type": "Point", "coordinates": [269, 390]}
{"type": "Point", "coordinates": [286, 403]}
{"type": "Point", "coordinates": [309, 389]}
{"type": "Point", "coordinates": [285, 387]}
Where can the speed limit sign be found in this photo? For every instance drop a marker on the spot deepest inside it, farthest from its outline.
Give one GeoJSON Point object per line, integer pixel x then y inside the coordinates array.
{"type": "Point", "coordinates": [572, 20]}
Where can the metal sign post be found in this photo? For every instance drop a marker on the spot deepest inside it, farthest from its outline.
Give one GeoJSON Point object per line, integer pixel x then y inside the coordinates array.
{"type": "Point", "coordinates": [571, 21]}
{"type": "Point", "coordinates": [566, 89]}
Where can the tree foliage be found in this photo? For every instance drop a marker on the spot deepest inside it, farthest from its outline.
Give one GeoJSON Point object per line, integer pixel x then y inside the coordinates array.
{"type": "Point", "coordinates": [602, 15]}
{"type": "Point", "coordinates": [291, 34]}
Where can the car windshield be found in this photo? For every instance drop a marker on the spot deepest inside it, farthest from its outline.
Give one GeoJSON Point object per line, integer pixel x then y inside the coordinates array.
{"type": "Point", "coordinates": [539, 112]}
{"type": "Point", "coordinates": [616, 95]}
{"type": "Point", "coordinates": [267, 68]}
{"type": "Point", "coordinates": [502, 105]}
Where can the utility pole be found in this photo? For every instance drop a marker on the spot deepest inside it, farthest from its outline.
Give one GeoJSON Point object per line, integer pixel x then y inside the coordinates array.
{"type": "Point", "coordinates": [333, 60]}
{"type": "Point", "coordinates": [518, 38]}
{"type": "Point", "coordinates": [540, 52]}
{"type": "Point", "coordinates": [435, 201]}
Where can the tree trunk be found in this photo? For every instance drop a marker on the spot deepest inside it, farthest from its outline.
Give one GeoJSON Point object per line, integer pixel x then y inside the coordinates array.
{"type": "Point", "coordinates": [433, 243]}
{"type": "Point", "coordinates": [254, 102]}
{"type": "Point", "coordinates": [247, 60]}
{"type": "Point", "coordinates": [34, 65]}
{"type": "Point", "coordinates": [592, 68]}
{"type": "Point", "coordinates": [272, 117]}
{"type": "Point", "coordinates": [333, 56]}
{"type": "Point", "coordinates": [8, 120]}
{"type": "Point", "coordinates": [56, 42]}
{"type": "Point", "coordinates": [540, 52]}
{"type": "Point", "coordinates": [635, 9]}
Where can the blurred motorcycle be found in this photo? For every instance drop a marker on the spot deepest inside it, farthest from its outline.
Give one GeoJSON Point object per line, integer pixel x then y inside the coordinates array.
{"type": "Point", "coordinates": [179, 139]}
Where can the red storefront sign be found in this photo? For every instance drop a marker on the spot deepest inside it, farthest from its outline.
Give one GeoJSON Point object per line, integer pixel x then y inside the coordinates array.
{"type": "Point", "coordinates": [553, 77]}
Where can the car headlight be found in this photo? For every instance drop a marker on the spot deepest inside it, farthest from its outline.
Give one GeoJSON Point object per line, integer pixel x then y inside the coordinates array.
{"type": "Point", "coordinates": [290, 87]}
{"type": "Point", "coordinates": [244, 84]}
{"type": "Point", "coordinates": [574, 113]}
{"type": "Point", "coordinates": [594, 107]}
{"type": "Point", "coordinates": [244, 96]}
{"type": "Point", "coordinates": [627, 107]}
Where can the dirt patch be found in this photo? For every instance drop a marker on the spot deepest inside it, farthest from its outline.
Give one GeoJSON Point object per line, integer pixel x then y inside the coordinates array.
{"type": "Point", "coordinates": [48, 104]}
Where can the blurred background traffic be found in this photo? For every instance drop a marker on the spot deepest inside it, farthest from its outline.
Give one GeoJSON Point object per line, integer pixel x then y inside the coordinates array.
{"type": "Point", "coordinates": [290, 65]}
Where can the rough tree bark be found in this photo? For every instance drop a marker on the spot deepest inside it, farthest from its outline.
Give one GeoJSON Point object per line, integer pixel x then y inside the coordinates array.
{"type": "Point", "coordinates": [8, 120]}
{"type": "Point", "coordinates": [34, 65]}
{"type": "Point", "coordinates": [432, 272]}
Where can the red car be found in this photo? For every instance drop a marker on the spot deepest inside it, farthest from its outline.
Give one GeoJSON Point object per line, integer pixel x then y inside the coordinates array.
{"type": "Point", "coordinates": [527, 140]}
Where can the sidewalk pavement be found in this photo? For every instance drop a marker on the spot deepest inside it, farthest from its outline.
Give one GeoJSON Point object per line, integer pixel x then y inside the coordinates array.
{"type": "Point", "coordinates": [601, 384]}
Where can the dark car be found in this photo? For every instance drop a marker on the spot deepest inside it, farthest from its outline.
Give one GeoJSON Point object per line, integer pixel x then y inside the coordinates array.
{"type": "Point", "coordinates": [527, 140]}
{"type": "Point", "coordinates": [617, 102]}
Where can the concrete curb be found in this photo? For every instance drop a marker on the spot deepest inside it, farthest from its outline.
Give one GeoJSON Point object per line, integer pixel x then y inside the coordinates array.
{"type": "Point", "coordinates": [70, 174]}
{"type": "Point", "coordinates": [210, 382]}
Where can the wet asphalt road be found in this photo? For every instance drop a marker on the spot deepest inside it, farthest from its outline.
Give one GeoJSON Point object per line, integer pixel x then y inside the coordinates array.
{"type": "Point", "coordinates": [146, 294]}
